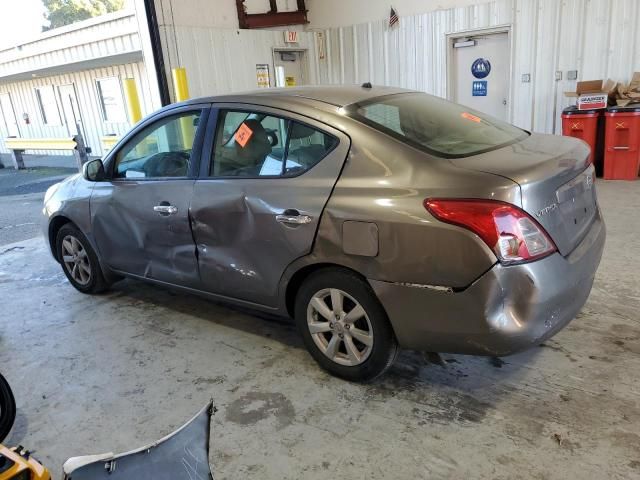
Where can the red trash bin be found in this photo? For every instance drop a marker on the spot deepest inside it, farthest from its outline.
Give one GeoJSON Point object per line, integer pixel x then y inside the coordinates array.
{"type": "Point", "coordinates": [585, 125]}
{"type": "Point", "coordinates": [622, 136]}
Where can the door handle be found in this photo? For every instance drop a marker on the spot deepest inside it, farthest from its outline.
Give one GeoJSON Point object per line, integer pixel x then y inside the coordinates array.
{"type": "Point", "coordinates": [293, 217]}
{"type": "Point", "coordinates": [165, 209]}
{"type": "Point", "coordinates": [621, 148]}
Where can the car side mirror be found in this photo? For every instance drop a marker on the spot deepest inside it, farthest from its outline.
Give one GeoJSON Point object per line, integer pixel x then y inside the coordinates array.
{"type": "Point", "coordinates": [93, 170]}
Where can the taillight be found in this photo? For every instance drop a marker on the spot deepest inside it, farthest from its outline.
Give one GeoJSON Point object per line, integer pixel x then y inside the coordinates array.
{"type": "Point", "coordinates": [509, 231]}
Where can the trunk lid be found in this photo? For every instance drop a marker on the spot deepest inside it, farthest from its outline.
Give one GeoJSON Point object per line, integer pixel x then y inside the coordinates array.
{"type": "Point", "coordinates": [555, 181]}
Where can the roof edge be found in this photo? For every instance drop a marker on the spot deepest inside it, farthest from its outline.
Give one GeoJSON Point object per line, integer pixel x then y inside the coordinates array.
{"type": "Point", "coordinates": [89, 22]}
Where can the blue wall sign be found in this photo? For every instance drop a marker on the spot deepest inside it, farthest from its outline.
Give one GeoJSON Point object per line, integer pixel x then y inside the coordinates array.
{"type": "Point", "coordinates": [479, 88]}
{"type": "Point", "coordinates": [481, 68]}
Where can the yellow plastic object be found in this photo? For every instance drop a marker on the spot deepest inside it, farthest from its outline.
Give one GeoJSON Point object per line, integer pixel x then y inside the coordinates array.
{"type": "Point", "coordinates": [133, 100]}
{"type": "Point", "coordinates": [180, 84]}
{"type": "Point", "coordinates": [40, 143]}
{"type": "Point", "coordinates": [181, 89]}
{"type": "Point", "coordinates": [14, 466]}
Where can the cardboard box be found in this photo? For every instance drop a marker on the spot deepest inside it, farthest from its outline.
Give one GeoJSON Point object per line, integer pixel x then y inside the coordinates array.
{"type": "Point", "coordinates": [593, 94]}
{"type": "Point", "coordinates": [629, 94]}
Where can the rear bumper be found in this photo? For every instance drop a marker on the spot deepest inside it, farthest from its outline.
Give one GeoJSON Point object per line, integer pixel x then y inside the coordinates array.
{"type": "Point", "coordinates": [508, 309]}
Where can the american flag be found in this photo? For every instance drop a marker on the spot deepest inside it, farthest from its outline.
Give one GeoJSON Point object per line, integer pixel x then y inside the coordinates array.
{"type": "Point", "coordinates": [393, 18]}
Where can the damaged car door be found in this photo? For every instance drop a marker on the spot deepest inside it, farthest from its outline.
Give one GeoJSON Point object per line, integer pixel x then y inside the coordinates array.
{"type": "Point", "coordinates": [258, 201]}
{"type": "Point", "coordinates": [140, 214]}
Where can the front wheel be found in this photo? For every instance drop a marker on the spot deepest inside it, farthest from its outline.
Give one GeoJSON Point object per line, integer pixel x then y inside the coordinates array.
{"type": "Point", "coordinates": [343, 325]}
{"type": "Point", "coordinates": [79, 261]}
{"type": "Point", "coordinates": [7, 409]}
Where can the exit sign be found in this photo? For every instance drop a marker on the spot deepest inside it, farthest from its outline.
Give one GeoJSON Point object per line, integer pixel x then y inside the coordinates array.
{"type": "Point", "coordinates": [291, 36]}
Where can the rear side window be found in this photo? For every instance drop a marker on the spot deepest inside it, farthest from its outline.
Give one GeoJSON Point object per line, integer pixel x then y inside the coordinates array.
{"type": "Point", "coordinates": [254, 144]}
{"type": "Point", "coordinates": [442, 128]}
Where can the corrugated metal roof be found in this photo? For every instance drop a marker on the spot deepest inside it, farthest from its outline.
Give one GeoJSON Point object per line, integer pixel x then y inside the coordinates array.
{"type": "Point", "coordinates": [97, 42]}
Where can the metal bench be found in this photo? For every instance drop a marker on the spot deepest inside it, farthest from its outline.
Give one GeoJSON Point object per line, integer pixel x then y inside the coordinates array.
{"type": "Point", "coordinates": [19, 145]}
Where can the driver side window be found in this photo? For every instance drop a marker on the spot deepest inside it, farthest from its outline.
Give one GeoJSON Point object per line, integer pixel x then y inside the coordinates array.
{"type": "Point", "coordinates": [163, 149]}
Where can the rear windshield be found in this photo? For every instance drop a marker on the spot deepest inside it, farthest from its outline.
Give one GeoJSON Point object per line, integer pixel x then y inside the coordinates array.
{"type": "Point", "coordinates": [435, 125]}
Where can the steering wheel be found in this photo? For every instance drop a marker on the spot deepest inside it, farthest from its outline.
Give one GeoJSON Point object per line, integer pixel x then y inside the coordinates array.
{"type": "Point", "coordinates": [168, 164]}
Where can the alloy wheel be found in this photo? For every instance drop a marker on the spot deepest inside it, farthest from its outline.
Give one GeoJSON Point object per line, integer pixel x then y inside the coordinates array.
{"type": "Point", "coordinates": [340, 327]}
{"type": "Point", "coordinates": [76, 260]}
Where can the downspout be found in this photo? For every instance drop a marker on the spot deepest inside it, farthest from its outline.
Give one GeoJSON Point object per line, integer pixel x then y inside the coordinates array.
{"type": "Point", "coordinates": [158, 57]}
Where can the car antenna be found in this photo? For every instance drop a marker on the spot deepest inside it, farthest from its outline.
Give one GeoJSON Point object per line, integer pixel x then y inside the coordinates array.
{"type": "Point", "coordinates": [367, 85]}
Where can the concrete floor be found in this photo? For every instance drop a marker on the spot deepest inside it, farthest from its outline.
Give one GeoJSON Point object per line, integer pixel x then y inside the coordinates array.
{"type": "Point", "coordinates": [113, 372]}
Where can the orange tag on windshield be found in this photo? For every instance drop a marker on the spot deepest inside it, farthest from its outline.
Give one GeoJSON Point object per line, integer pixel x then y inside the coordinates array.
{"type": "Point", "coordinates": [468, 116]}
{"type": "Point", "coordinates": [243, 135]}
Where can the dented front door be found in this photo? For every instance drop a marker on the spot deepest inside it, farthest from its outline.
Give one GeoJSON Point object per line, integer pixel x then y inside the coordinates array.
{"type": "Point", "coordinates": [134, 238]}
{"type": "Point", "coordinates": [140, 214]}
{"type": "Point", "coordinates": [248, 230]}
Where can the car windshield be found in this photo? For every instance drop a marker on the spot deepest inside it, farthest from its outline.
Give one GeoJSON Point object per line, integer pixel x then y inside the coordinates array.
{"type": "Point", "coordinates": [437, 126]}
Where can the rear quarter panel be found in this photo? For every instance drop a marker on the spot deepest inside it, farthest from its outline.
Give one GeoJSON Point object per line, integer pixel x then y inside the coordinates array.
{"type": "Point", "coordinates": [385, 182]}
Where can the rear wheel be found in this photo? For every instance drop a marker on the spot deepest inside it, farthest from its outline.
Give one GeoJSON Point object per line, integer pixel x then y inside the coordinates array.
{"type": "Point", "coordinates": [79, 261]}
{"type": "Point", "coordinates": [343, 325]}
{"type": "Point", "coordinates": [7, 409]}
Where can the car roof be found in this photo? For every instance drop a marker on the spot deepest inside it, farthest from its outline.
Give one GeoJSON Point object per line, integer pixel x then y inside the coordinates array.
{"type": "Point", "coordinates": [335, 95]}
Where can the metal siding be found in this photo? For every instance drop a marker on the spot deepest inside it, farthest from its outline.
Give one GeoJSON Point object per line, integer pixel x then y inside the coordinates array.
{"type": "Point", "coordinates": [570, 53]}
{"type": "Point", "coordinates": [599, 38]}
{"type": "Point", "coordinates": [545, 65]}
{"type": "Point", "coordinates": [24, 100]}
{"type": "Point", "coordinates": [226, 58]}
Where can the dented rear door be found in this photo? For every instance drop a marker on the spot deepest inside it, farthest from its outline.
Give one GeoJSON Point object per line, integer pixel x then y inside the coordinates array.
{"type": "Point", "coordinates": [243, 239]}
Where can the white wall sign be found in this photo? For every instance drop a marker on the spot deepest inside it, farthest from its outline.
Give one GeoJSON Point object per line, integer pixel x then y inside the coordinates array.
{"type": "Point", "coordinates": [262, 75]}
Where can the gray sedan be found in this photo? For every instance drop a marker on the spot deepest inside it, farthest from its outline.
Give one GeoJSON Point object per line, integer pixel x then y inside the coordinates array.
{"type": "Point", "coordinates": [378, 218]}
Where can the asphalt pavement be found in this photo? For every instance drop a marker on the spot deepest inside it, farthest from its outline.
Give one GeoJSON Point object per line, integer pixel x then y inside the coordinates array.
{"type": "Point", "coordinates": [21, 196]}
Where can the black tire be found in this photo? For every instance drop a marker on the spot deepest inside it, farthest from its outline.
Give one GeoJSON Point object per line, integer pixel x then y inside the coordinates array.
{"type": "Point", "coordinates": [96, 282]}
{"type": "Point", "coordinates": [384, 349]}
{"type": "Point", "coordinates": [7, 409]}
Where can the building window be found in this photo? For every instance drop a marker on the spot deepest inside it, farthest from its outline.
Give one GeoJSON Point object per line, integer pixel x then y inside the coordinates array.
{"type": "Point", "coordinates": [111, 101]}
{"type": "Point", "coordinates": [48, 105]}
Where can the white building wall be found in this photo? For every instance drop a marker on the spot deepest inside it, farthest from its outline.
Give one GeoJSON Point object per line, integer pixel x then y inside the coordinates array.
{"type": "Point", "coordinates": [212, 13]}
{"type": "Point", "coordinates": [598, 38]}
{"type": "Point", "coordinates": [341, 13]}
{"type": "Point", "coordinates": [224, 60]}
{"type": "Point", "coordinates": [23, 98]}
{"type": "Point", "coordinates": [219, 57]}
{"type": "Point", "coordinates": [77, 54]}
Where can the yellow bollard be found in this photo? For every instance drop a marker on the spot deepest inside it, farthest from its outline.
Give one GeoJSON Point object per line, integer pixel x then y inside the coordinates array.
{"type": "Point", "coordinates": [132, 99]}
{"type": "Point", "coordinates": [135, 113]}
{"type": "Point", "coordinates": [180, 85]}
{"type": "Point", "coordinates": [181, 89]}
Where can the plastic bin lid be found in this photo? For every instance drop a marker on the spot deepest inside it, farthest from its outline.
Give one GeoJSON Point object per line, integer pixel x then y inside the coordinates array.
{"type": "Point", "coordinates": [573, 110]}
{"type": "Point", "coordinates": [627, 109]}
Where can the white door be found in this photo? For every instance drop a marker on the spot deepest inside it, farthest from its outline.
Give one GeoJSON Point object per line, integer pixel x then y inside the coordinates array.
{"type": "Point", "coordinates": [70, 108]}
{"type": "Point", "coordinates": [9, 115]}
{"type": "Point", "coordinates": [289, 67]}
{"type": "Point", "coordinates": [480, 73]}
